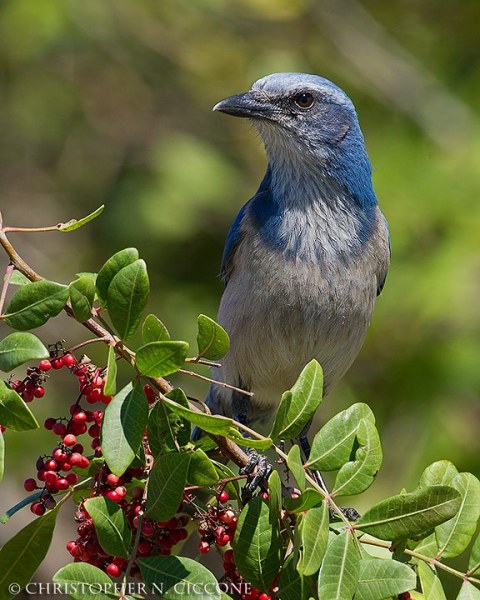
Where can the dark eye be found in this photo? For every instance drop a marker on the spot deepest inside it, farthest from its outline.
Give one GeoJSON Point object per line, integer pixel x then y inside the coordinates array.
{"type": "Point", "coordinates": [304, 100]}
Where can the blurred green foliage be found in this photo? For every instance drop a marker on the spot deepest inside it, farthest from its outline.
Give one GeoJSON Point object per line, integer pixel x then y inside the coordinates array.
{"type": "Point", "coordinates": [110, 102]}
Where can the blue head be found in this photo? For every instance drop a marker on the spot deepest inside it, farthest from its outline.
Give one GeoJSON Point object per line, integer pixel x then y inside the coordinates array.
{"type": "Point", "coordinates": [308, 123]}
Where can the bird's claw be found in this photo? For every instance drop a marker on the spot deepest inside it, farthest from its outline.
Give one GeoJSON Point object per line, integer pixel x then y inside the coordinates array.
{"type": "Point", "coordinates": [258, 463]}
{"type": "Point", "coordinates": [349, 513]}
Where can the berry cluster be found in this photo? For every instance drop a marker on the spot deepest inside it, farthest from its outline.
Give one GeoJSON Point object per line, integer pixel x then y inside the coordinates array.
{"type": "Point", "coordinates": [157, 537]}
{"type": "Point", "coordinates": [54, 471]}
{"type": "Point", "coordinates": [218, 525]}
{"type": "Point", "coordinates": [32, 386]}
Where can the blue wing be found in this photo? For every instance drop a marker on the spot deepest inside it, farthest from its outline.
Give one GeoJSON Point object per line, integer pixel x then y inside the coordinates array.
{"type": "Point", "coordinates": [233, 239]}
{"type": "Point", "coordinates": [235, 234]}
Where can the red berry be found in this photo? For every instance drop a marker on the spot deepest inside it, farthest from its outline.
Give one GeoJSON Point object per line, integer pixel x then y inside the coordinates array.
{"type": "Point", "coordinates": [49, 423]}
{"type": "Point", "coordinates": [228, 557]}
{"type": "Point", "coordinates": [219, 532]}
{"type": "Point", "coordinates": [113, 496]}
{"type": "Point", "coordinates": [44, 365]}
{"type": "Point", "coordinates": [264, 496]}
{"type": "Point", "coordinates": [77, 448]}
{"type": "Point", "coordinates": [148, 528]}
{"type": "Point", "coordinates": [27, 396]}
{"type": "Point", "coordinates": [75, 459]}
{"type": "Point", "coordinates": [63, 484]}
{"type": "Point", "coordinates": [94, 431]}
{"type": "Point", "coordinates": [69, 440]}
{"type": "Point", "coordinates": [223, 540]}
{"type": "Point", "coordinates": [80, 417]}
{"type": "Point", "coordinates": [203, 547]}
{"type": "Point", "coordinates": [113, 570]}
{"type": "Point", "coordinates": [72, 478]}
{"type": "Point", "coordinates": [70, 546]}
{"type": "Point", "coordinates": [172, 523]}
{"type": "Point", "coordinates": [39, 391]}
{"type": "Point", "coordinates": [59, 455]}
{"type": "Point", "coordinates": [227, 517]}
{"type": "Point", "coordinates": [77, 428]}
{"type": "Point", "coordinates": [66, 466]}
{"type": "Point", "coordinates": [223, 497]}
{"type": "Point", "coordinates": [149, 393]}
{"type": "Point", "coordinates": [84, 462]}
{"type": "Point", "coordinates": [29, 484]}
{"type": "Point", "coordinates": [112, 479]}
{"type": "Point", "coordinates": [38, 509]}
{"type": "Point", "coordinates": [264, 597]}
{"type": "Point", "coordinates": [144, 547]}
{"type": "Point", "coordinates": [57, 363]}
{"type": "Point", "coordinates": [94, 396]}
{"type": "Point", "coordinates": [121, 491]}
{"type": "Point", "coordinates": [69, 360]}
{"type": "Point", "coordinates": [59, 428]}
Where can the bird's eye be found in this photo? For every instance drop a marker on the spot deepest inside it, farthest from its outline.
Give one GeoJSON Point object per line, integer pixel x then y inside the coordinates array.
{"type": "Point", "coordinates": [304, 100]}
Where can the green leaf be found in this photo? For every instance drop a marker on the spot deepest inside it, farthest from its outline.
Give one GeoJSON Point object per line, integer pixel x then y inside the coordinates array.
{"type": "Point", "coordinates": [160, 434]}
{"type": "Point", "coordinates": [34, 303]}
{"type": "Point", "coordinates": [314, 539]}
{"type": "Point", "coordinates": [334, 444]}
{"type": "Point", "coordinates": [123, 425]}
{"type": "Point", "coordinates": [201, 470]}
{"type": "Point", "coordinates": [113, 266]}
{"type": "Point", "coordinates": [18, 348]}
{"type": "Point", "coordinates": [110, 387]}
{"type": "Point", "coordinates": [212, 340]}
{"type": "Point", "coordinates": [428, 546]}
{"type": "Point", "coordinates": [258, 545]}
{"type": "Point", "coordinates": [178, 577]}
{"type": "Point", "coordinates": [166, 483]}
{"type": "Point", "coordinates": [111, 526]}
{"type": "Point", "coordinates": [76, 224]}
{"type": "Point", "coordinates": [382, 578]}
{"type": "Point", "coordinates": [21, 556]}
{"type": "Point", "coordinates": [14, 413]}
{"type": "Point", "coordinates": [454, 536]}
{"type": "Point", "coordinates": [82, 295]}
{"type": "Point", "coordinates": [127, 298]}
{"type": "Point", "coordinates": [292, 585]}
{"type": "Point", "coordinates": [468, 592]}
{"type": "Point", "coordinates": [153, 330]}
{"type": "Point", "coordinates": [474, 560]}
{"type": "Point", "coordinates": [159, 359]}
{"type": "Point", "coordinates": [340, 570]}
{"type": "Point", "coordinates": [431, 584]}
{"type": "Point", "coordinates": [275, 493]}
{"type": "Point", "coordinates": [356, 476]}
{"type": "Point", "coordinates": [305, 501]}
{"type": "Point", "coordinates": [438, 473]}
{"type": "Point", "coordinates": [234, 435]}
{"type": "Point", "coordinates": [181, 427]}
{"type": "Point", "coordinates": [2, 455]}
{"type": "Point", "coordinates": [294, 463]}
{"type": "Point", "coordinates": [299, 404]}
{"type": "Point", "coordinates": [79, 579]}
{"type": "Point", "coordinates": [407, 515]}
{"type": "Point", "coordinates": [18, 278]}
{"type": "Point", "coordinates": [211, 423]}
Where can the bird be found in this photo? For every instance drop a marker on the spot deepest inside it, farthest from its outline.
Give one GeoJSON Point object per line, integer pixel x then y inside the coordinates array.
{"type": "Point", "coordinates": [306, 256]}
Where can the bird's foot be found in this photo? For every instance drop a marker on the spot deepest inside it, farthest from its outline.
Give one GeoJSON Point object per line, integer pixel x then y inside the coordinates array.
{"type": "Point", "coordinates": [260, 469]}
{"type": "Point", "coordinates": [349, 513]}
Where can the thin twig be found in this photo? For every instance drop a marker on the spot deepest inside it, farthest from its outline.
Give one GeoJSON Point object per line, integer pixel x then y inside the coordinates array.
{"type": "Point", "coordinates": [87, 342]}
{"type": "Point", "coordinates": [190, 488]}
{"type": "Point", "coordinates": [8, 274]}
{"type": "Point", "coordinates": [219, 383]}
{"type": "Point", "coordinates": [423, 557]}
{"type": "Point", "coordinates": [32, 229]}
{"type": "Point", "coordinates": [202, 361]}
{"type": "Point", "coordinates": [138, 535]}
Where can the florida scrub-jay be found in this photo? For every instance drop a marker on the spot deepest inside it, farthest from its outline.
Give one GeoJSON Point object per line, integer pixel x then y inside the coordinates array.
{"type": "Point", "coordinates": [307, 256]}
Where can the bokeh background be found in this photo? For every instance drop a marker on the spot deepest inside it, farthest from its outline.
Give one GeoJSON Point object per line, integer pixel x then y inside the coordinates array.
{"type": "Point", "coordinates": [109, 102]}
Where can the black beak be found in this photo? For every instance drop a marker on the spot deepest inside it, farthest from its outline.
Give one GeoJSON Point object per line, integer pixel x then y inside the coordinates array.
{"type": "Point", "coordinates": [245, 105]}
